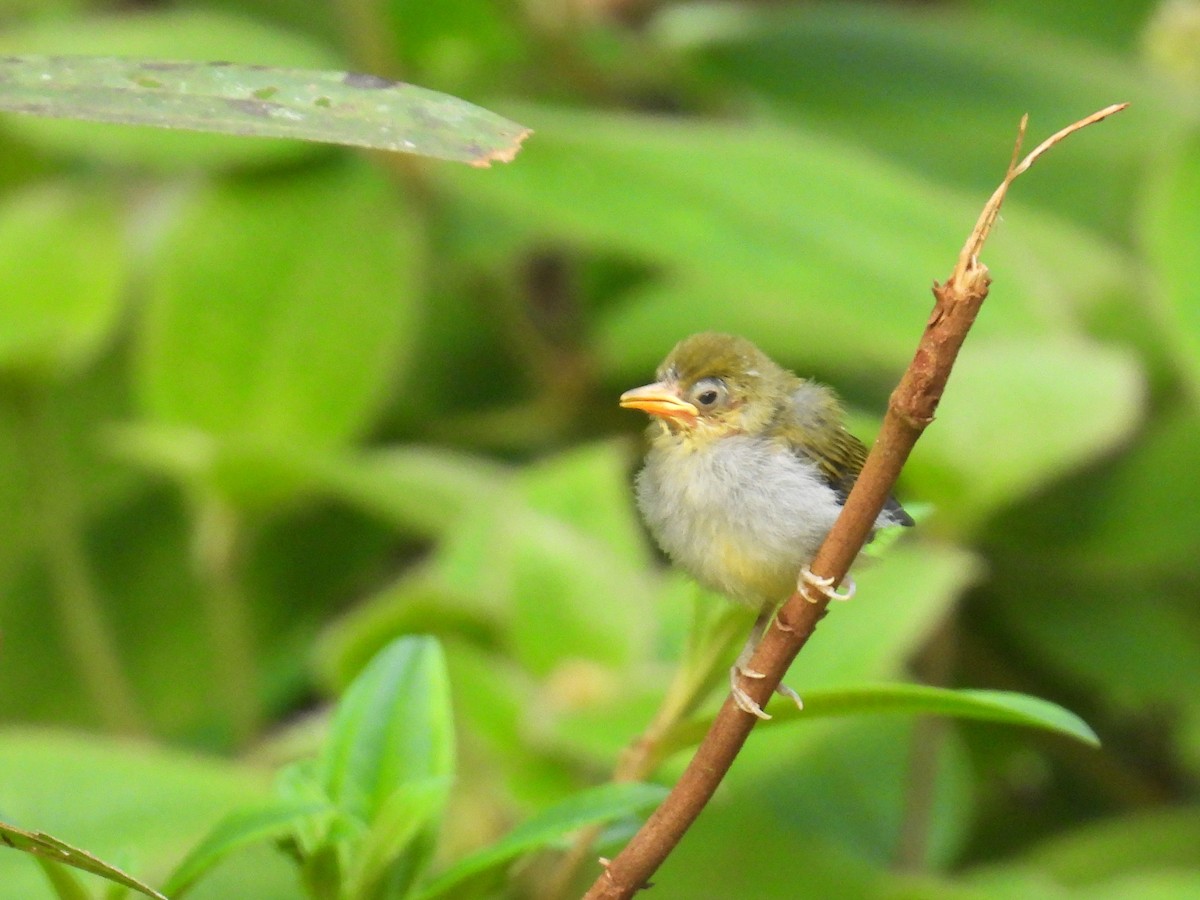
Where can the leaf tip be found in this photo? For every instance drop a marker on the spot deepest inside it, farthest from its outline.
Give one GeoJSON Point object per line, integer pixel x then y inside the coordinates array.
{"type": "Point", "coordinates": [503, 154]}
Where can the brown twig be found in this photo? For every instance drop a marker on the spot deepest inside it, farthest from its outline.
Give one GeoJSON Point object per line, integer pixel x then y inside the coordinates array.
{"type": "Point", "coordinates": [910, 410]}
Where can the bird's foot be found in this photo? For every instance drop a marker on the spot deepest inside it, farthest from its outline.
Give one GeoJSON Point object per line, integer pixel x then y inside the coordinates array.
{"type": "Point", "coordinates": [741, 699]}
{"type": "Point", "coordinates": [823, 586]}
{"type": "Point", "coordinates": [746, 703]}
{"type": "Point", "coordinates": [785, 691]}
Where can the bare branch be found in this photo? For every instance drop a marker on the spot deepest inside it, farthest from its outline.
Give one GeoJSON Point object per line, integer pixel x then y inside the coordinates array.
{"type": "Point", "coordinates": [910, 410]}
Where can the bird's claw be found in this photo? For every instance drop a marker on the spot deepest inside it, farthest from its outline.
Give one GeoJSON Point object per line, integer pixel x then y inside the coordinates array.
{"type": "Point", "coordinates": [746, 703]}
{"type": "Point", "coordinates": [743, 700]}
{"type": "Point", "coordinates": [823, 586]}
{"type": "Point", "coordinates": [786, 691]}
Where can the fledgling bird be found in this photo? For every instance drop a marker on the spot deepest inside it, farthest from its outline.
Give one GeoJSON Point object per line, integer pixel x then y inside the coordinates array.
{"type": "Point", "coordinates": [748, 468]}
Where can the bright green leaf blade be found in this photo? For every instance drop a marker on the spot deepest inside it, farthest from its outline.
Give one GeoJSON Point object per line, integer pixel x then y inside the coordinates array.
{"type": "Point", "coordinates": [238, 830]}
{"type": "Point", "coordinates": [259, 101]}
{"type": "Point", "coordinates": [399, 842]}
{"type": "Point", "coordinates": [130, 800]}
{"type": "Point", "coordinates": [46, 847]}
{"type": "Point", "coordinates": [775, 232]}
{"type": "Point", "coordinates": [913, 699]}
{"type": "Point", "coordinates": [392, 726]}
{"type": "Point", "coordinates": [597, 805]}
{"type": "Point", "coordinates": [61, 266]}
{"type": "Point", "coordinates": [389, 760]}
{"type": "Point", "coordinates": [280, 311]}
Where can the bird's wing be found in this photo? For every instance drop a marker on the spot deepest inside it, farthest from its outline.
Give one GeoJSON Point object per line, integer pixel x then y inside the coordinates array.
{"type": "Point", "coordinates": [839, 455]}
{"type": "Point", "coordinates": [813, 425]}
{"type": "Point", "coordinates": [819, 435]}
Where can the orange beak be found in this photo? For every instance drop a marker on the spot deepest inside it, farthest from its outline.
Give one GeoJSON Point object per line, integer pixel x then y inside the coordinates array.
{"type": "Point", "coordinates": [658, 399]}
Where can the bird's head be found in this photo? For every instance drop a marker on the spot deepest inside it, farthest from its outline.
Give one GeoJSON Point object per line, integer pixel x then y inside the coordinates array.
{"type": "Point", "coordinates": [714, 384]}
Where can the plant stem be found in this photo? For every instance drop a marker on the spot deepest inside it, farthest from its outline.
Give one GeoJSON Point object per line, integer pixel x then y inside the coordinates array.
{"type": "Point", "coordinates": [216, 538]}
{"type": "Point", "coordinates": [710, 644]}
{"type": "Point", "coordinates": [86, 631]}
{"type": "Point", "coordinates": [935, 667]}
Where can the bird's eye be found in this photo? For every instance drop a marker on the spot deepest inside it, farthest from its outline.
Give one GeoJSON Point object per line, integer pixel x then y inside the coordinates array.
{"type": "Point", "coordinates": [708, 393]}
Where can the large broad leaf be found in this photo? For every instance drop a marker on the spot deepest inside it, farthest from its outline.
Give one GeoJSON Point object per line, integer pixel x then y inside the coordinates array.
{"type": "Point", "coordinates": [163, 34]}
{"type": "Point", "coordinates": [811, 247]}
{"type": "Point", "coordinates": [941, 90]}
{"type": "Point", "coordinates": [61, 263]}
{"type": "Point", "coordinates": [418, 490]}
{"type": "Point", "coordinates": [259, 101]}
{"type": "Point", "coordinates": [281, 310]}
{"type": "Point", "coordinates": [578, 560]}
{"type": "Point", "coordinates": [553, 558]}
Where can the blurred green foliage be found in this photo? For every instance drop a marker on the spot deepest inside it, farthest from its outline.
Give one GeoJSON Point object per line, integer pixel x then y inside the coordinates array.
{"type": "Point", "coordinates": [266, 406]}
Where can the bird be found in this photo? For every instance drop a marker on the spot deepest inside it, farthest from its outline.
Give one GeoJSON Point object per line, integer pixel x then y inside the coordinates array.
{"type": "Point", "coordinates": [747, 469]}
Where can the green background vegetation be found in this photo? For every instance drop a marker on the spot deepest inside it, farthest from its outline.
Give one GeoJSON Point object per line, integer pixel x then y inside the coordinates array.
{"type": "Point", "coordinates": [266, 405]}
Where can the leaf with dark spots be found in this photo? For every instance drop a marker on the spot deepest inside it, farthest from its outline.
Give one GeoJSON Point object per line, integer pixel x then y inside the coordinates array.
{"type": "Point", "coordinates": [329, 107]}
{"type": "Point", "coordinates": [374, 82]}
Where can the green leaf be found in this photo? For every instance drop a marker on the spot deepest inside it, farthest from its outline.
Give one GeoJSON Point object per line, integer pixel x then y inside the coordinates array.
{"type": "Point", "coordinates": [177, 34]}
{"type": "Point", "coordinates": [47, 847]}
{"type": "Point", "coordinates": [65, 883]}
{"type": "Point", "coordinates": [579, 583]}
{"type": "Point", "coordinates": [775, 233]}
{"type": "Point", "coordinates": [1018, 414]}
{"type": "Point", "coordinates": [588, 486]}
{"type": "Point", "coordinates": [960, 76]}
{"type": "Point", "coordinates": [1170, 217]}
{"type": "Point", "coordinates": [389, 759]}
{"type": "Point", "coordinates": [382, 860]}
{"type": "Point", "coordinates": [392, 726]}
{"type": "Point", "coordinates": [237, 830]}
{"type": "Point", "coordinates": [259, 101]}
{"type": "Point", "coordinates": [1162, 839]}
{"type": "Point", "coordinates": [868, 640]}
{"type": "Point", "coordinates": [593, 806]}
{"type": "Point", "coordinates": [281, 309]}
{"type": "Point", "coordinates": [416, 490]}
{"type": "Point", "coordinates": [419, 490]}
{"type": "Point", "coordinates": [911, 699]}
{"type": "Point", "coordinates": [1133, 516]}
{"type": "Point", "coordinates": [129, 800]}
{"type": "Point", "coordinates": [61, 263]}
